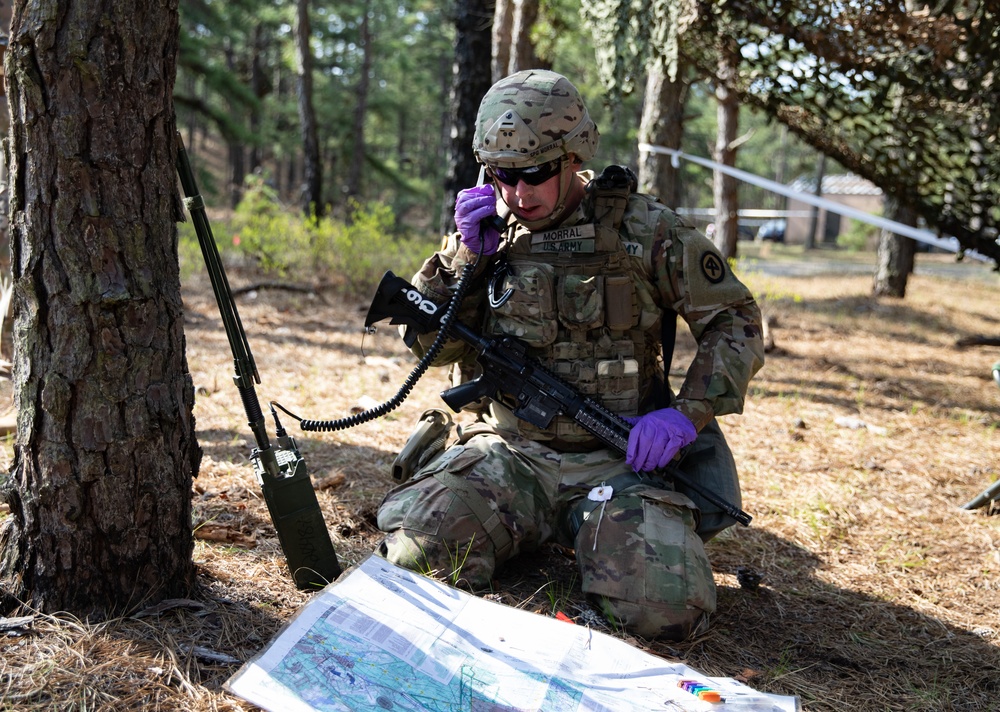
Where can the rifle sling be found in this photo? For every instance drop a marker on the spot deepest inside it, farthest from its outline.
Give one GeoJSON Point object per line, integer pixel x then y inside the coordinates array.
{"type": "Point", "coordinates": [668, 336]}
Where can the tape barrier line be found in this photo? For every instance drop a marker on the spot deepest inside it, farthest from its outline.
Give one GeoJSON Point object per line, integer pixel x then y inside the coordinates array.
{"type": "Point", "coordinates": [946, 243]}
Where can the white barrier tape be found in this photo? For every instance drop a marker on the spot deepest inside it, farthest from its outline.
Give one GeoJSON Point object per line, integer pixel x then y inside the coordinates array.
{"type": "Point", "coordinates": [945, 243]}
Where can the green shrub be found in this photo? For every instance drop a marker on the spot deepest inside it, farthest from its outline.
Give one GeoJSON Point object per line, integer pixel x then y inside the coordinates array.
{"type": "Point", "coordinates": [857, 237]}
{"type": "Point", "coordinates": [350, 256]}
{"type": "Point", "coordinates": [359, 253]}
{"type": "Point", "coordinates": [188, 250]}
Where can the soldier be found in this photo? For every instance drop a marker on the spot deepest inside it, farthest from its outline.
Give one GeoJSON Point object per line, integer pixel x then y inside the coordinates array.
{"type": "Point", "coordinates": [591, 277]}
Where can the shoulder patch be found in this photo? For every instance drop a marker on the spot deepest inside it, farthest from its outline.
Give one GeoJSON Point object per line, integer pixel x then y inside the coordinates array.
{"type": "Point", "coordinates": [713, 267]}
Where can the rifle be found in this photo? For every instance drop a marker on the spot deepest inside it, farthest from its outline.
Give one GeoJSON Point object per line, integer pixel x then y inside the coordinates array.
{"type": "Point", "coordinates": [281, 470]}
{"type": "Point", "coordinates": [511, 377]}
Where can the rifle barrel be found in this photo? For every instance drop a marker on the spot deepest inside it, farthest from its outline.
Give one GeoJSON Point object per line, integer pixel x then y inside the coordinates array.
{"type": "Point", "coordinates": [984, 497]}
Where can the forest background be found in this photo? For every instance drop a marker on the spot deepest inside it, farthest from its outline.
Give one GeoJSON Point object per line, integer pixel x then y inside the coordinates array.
{"type": "Point", "coordinates": [875, 590]}
{"type": "Point", "coordinates": [382, 89]}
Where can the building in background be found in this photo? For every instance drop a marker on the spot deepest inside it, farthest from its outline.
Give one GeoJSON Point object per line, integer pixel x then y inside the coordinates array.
{"type": "Point", "coordinates": [846, 189]}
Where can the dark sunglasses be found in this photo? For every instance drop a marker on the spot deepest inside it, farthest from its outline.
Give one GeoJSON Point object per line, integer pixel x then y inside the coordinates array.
{"type": "Point", "coordinates": [535, 175]}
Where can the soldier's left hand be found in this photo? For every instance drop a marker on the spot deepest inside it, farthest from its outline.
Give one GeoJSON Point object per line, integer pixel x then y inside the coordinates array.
{"type": "Point", "coordinates": [657, 437]}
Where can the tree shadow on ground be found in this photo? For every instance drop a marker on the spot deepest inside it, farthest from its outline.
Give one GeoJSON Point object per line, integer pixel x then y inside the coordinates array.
{"type": "Point", "coordinates": [839, 648]}
{"type": "Point", "coordinates": [839, 383]}
{"type": "Point", "coordinates": [912, 321]}
{"type": "Point", "coordinates": [146, 659]}
{"type": "Point", "coordinates": [236, 446]}
{"type": "Point", "coordinates": [349, 481]}
{"type": "Point", "coordinates": [797, 634]}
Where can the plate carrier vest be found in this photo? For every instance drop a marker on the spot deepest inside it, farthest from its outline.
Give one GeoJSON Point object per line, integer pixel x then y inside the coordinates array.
{"type": "Point", "coordinates": [585, 308]}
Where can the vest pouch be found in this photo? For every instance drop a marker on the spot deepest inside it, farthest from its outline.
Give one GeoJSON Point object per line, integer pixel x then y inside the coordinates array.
{"type": "Point", "coordinates": [581, 301]}
{"type": "Point", "coordinates": [618, 385]}
{"type": "Point", "coordinates": [425, 442]}
{"type": "Point", "coordinates": [530, 312]}
{"type": "Point", "coordinates": [620, 303]}
{"type": "Point", "coordinates": [580, 374]}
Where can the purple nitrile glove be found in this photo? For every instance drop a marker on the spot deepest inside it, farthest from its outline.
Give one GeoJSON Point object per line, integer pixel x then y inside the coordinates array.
{"type": "Point", "coordinates": [657, 437]}
{"type": "Point", "coordinates": [472, 207]}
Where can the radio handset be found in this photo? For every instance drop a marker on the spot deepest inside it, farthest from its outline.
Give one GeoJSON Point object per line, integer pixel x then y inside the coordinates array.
{"type": "Point", "coordinates": [494, 221]}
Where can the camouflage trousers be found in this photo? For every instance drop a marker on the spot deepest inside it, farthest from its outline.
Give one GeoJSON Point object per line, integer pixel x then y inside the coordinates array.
{"type": "Point", "coordinates": [640, 551]}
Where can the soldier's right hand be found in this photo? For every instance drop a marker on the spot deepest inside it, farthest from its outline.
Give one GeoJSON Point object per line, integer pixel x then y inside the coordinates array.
{"type": "Point", "coordinates": [472, 207]}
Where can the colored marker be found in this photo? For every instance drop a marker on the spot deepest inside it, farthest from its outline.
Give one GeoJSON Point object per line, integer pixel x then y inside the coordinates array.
{"type": "Point", "coordinates": [702, 692]}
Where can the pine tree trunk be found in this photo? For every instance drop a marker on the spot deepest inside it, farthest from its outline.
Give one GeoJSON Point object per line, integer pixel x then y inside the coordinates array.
{"type": "Point", "coordinates": [360, 108]}
{"type": "Point", "coordinates": [471, 80]}
{"type": "Point", "coordinates": [810, 243]}
{"type": "Point", "coordinates": [726, 187]}
{"type": "Point", "coordinates": [258, 85]}
{"type": "Point", "coordinates": [895, 255]}
{"type": "Point", "coordinates": [522, 53]}
{"type": "Point", "coordinates": [503, 18]}
{"type": "Point", "coordinates": [100, 486]}
{"type": "Point", "coordinates": [234, 144]}
{"type": "Point", "coordinates": [312, 191]}
{"type": "Point", "coordinates": [662, 125]}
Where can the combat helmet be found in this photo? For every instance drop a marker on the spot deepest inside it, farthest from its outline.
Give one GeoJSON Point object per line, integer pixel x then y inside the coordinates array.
{"type": "Point", "coordinates": [533, 117]}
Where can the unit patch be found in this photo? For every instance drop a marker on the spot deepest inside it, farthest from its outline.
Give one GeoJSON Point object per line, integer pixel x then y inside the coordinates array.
{"type": "Point", "coordinates": [577, 238]}
{"type": "Point", "coordinates": [713, 267]}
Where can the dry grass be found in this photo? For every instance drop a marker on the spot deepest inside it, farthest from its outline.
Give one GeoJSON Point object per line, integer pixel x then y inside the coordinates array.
{"type": "Point", "coordinates": [878, 592]}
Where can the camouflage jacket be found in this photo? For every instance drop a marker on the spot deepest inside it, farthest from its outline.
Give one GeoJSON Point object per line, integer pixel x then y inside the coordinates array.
{"type": "Point", "coordinates": [675, 270]}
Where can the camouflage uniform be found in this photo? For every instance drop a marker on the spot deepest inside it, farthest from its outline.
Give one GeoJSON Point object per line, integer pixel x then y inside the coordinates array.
{"type": "Point", "coordinates": [588, 298]}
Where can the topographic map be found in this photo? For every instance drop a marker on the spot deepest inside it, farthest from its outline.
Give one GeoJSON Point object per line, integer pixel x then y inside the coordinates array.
{"type": "Point", "coordinates": [384, 638]}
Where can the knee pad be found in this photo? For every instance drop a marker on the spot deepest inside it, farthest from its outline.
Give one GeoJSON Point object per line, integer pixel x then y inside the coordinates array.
{"type": "Point", "coordinates": [645, 565]}
{"type": "Point", "coordinates": [439, 525]}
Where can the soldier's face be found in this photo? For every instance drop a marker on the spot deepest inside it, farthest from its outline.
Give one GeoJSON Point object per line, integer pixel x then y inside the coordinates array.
{"type": "Point", "coordinates": [531, 202]}
{"type": "Point", "coordinates": [535, 202]}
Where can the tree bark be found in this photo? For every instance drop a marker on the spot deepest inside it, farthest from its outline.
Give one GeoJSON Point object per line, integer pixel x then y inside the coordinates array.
{"type": "Point", "coordinates": [258, 85]}
{"type": "Point", "coordinates": [662, 125]}
{"type": "Point", "coordinates": [312, 190]}
{"type": "Point", "coordinates": [100, 486]}
{"type": "Point", "coordinates": [360, 109]}
{"type": "Point", "coordinates": [471, 79]}
{"type": "Point", "coordinates": [895, 255]}
{"type": "Point", "coordinates": [237, 162]}
{"type": "Point", "coordinates": [503, 17]}
{"type": "Point", "coordinates": [6, 330]}
{"type": "Point", "coordinates": [522, 55]}
{"type": "Point", "coordinates": [726, 187]}
{"type": "Point", "coordinates": [810, 243]}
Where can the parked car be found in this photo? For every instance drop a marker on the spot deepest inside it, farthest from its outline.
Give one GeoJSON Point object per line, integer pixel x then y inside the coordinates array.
{"type": "Point", "coordinates": [772, 230]}
{"type": "Point", "coordinates": [743, 232]}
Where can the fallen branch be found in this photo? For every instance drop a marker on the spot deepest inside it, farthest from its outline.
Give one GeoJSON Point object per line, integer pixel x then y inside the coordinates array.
{"type": "Point", "coordinates": [283, 286]}
{"type": "Point", "coordinates": [977, 341]}
{"type": "Point", "coordinates": [767, 334]}
{"type": "Point", "coordinates": [18, 625]}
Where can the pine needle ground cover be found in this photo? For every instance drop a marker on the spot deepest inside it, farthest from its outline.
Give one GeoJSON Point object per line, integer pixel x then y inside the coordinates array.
{"type": "Point", "coordinates": [860, 584]}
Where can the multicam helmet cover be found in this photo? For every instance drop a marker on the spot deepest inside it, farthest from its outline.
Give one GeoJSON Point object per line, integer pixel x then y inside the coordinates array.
{"type": "Point", "coordinates": [533, 117]}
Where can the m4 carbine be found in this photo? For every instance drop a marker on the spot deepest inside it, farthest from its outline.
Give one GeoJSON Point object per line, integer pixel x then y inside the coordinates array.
{"type": "Point", "coordinates": [511, 377]}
